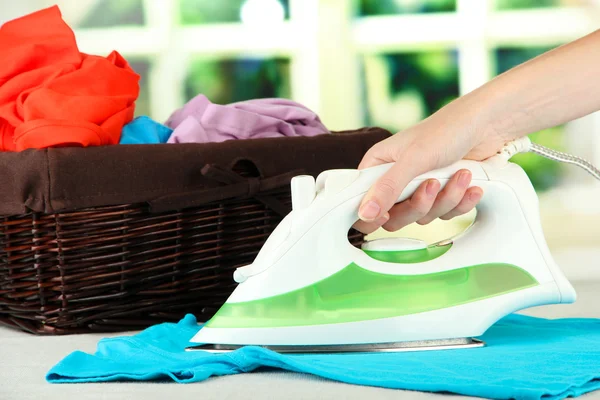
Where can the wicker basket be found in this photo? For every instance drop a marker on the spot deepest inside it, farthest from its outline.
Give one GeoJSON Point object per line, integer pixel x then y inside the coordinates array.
{"type": "Point", "coordinates": [98, 264]}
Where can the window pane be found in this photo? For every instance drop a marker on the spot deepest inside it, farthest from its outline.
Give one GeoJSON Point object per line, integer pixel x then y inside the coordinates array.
{"type": "Point", "coordinates": [228, 81]}
{"type": "Point", "coordinates": [106, 13]}
{"type": "Point", "coordinates": [523, 4]}
{"type": "Point", "coordinates": [543, 173]}
{"type": "Point", "coordinates": [142, 104]}
{"type": "Point", "coordinates": [509, 57]}
{"type": "Point", "coordinates": [386, 7]}
{"type": "Point", "coordinates": [402, 89]}
{"type": "Point", "coordinates": [212, 11]}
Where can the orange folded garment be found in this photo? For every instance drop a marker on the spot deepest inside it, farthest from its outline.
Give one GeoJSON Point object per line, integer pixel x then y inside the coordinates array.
{"type": "Point", "coordinates": [52, 95]}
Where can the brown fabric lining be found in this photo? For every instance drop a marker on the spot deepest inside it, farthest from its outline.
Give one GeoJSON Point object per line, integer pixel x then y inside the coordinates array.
{"type": "Point", "coordinates": [167, 176]}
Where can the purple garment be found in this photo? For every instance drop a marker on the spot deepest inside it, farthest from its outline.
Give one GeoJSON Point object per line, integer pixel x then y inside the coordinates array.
{"type": "Point", "coordinates": [201, 121]}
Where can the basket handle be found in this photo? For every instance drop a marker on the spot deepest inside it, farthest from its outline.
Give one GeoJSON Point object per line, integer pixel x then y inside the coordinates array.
{"type": "Point", "coordinates": [233, 186]}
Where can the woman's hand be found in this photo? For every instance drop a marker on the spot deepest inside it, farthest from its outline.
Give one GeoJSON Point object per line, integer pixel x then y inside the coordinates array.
{"type": "Point", "coordinates": [435, 143]}
{"type": "Point", "coordinates": [556, 87]}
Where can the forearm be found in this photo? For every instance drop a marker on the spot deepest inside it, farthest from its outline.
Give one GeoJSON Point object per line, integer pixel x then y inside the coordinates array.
{"type": "Point", "coordinates": [554, 88]}
{"type": "Point", "coordinates": [557, 87]}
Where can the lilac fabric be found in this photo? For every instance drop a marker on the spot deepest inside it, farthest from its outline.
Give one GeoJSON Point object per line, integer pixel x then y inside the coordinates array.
{"type": "Point", "coordinates": [201, 121]}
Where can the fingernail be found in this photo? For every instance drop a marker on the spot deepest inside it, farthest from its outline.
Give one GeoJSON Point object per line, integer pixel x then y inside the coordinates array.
{"type": "Point", "coordinates": [464, 178]}
{"type": "Point", "coordinates": [475, 196]}
{"type": "Point", "coordinates": [369, 211]}
{"type": "Point", "coordinates": [384, 219]}
{"type": "Point", "coordinates": [432, 188]}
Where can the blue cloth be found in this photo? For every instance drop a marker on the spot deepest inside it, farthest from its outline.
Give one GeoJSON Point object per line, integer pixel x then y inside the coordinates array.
{"type": "Point", "coordinates": [525, 358]}
{"type": "Point", "coordinates": [144, 130]}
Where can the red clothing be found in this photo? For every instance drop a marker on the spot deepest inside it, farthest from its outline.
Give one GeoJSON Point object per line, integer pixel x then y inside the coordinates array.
{"type": "Point", "coordinates": [53, 95]}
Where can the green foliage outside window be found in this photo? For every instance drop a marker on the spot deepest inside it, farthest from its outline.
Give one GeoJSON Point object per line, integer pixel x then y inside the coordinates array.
{"type": "Point", "coordinates": [383, 7]}
{"type": "Point", "coordinates": [228, 81]}
{"type": "Point", "coordinates": [543, 173]}
{"type": "Point", "coordinates": [114, 13]}
{"type": "Point", "coordinates": [430, 77]}
{"type": "Point", "coordinates": [524, 4]}
{"type": "Point", "coordinates": [434, 74]}
{"type": "Point", "coordinates": [193, 12]}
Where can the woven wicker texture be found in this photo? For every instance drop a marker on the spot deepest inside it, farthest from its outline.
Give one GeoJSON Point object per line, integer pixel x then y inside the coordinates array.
{"type": "Point", "coordinates": [123, 267]}
{"type": "Point", "coordinates": [68, 268]}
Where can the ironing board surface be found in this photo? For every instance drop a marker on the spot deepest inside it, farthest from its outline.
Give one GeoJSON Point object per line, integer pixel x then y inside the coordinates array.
{"type": "Point", "coordinates": [26, 359]}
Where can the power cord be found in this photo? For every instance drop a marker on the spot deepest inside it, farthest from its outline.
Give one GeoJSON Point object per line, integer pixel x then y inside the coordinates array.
{"type": "Point", "coordinates": [525, 145]}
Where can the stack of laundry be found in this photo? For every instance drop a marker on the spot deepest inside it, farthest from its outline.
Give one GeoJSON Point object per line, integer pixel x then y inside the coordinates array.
{"type": "Point", "coordinates": [53, 95]}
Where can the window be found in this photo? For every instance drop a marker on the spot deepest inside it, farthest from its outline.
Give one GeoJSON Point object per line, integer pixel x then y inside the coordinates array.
{"type": "Point", "coordinates": [404, 88]}
{"type": "Point", "coordinates": [196, 12]}
{"type": "Point", "coordinates": [529, 4]}
{"type": "Point", "coordinates": [231, 80]}
{"type": "Point", "coordinates": [354, 62]}
{"type": "Point", "coordinates": [391, 7]}
{"type": "Point", "coordinates": [109, 13]}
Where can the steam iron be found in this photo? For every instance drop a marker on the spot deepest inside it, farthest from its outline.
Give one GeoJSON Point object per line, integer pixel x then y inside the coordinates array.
{"type": "Point", "coordinates": [309, 290]}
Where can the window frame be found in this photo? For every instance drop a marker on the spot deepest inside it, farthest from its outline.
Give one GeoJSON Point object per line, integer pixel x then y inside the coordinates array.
{"type": "Point", "coordinates": [324, 40]}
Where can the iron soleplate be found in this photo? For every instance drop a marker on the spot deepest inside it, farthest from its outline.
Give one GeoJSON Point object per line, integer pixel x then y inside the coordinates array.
{"type": "Point", "coordinates": [420, 345]}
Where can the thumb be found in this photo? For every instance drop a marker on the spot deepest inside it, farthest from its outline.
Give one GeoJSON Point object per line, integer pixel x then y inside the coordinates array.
{"type": "Point", "coordinates": [379, 153]}
{"type": "Point", "coordinates": [382, 196]}
{"type": "Point", "coordinates": [412, 155]}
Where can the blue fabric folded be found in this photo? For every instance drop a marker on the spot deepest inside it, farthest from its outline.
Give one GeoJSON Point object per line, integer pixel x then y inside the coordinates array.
{"type": "Point", "coordinates": [144, 130]}
{"type": "Point", "coordinates": [525, 358]}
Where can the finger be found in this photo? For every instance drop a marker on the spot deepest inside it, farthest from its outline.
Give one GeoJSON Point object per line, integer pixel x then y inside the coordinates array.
{"type": "Point", "coordinates": [370, 227]}
{"type": "Point", "coordinates": [468, 202]}
{"type": "Point", "coordinates": [411, 210]}
{"type": "Point", "coordinates": [384, 193]}
{"type": "Point", "coordinates": [450, 197]}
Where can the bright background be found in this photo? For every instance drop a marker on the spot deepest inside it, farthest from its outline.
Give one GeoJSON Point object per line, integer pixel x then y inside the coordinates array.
{"type": "Point", "coordinates": [388, 63]}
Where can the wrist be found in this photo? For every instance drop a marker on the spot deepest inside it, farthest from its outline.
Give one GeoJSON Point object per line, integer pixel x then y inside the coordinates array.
{"type": "Point", "coordinates": [465, 121]}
